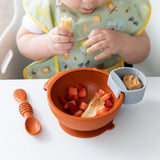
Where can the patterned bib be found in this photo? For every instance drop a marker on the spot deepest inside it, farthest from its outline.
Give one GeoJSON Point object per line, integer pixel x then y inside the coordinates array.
{"type": "Point", "coordinates": [128, 16]}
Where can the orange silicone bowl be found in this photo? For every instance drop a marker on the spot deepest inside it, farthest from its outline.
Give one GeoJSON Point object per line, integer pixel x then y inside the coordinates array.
{"type": "Point", "coordinates": [93, 79]}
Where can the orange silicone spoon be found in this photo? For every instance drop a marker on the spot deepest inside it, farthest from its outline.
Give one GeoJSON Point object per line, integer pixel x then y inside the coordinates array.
{"type": "Point", "coordinates": [32, 125]}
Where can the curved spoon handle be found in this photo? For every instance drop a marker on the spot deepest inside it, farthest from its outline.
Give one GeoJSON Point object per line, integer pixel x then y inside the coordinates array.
{"type": "Point", "coordinates": [24, 107]}
{"type": "Point", "coordinates": [20, 95]}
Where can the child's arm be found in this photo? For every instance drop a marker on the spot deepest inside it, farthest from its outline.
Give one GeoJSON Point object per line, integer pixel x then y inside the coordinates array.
{"type": "Point", "coordinates": [37, 47]}
{"type": "Point", "coordinates": [133, 49]}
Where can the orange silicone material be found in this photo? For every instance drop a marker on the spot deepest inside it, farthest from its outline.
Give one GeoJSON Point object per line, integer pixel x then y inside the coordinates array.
{"type": "Point", "coordinates": [32, 125]}
{"type": "Point", "coordinates": [93, 79]}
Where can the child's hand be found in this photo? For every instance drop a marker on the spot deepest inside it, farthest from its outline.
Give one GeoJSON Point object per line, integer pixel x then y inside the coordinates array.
{"type": "Point", "coordinates": [109, 40]}
{"type": "Point", "coordinates": [59, 41]}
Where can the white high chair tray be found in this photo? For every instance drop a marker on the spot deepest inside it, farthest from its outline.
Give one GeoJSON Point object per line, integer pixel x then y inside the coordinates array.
{"type": "Point", "coordinates": [136, 135]}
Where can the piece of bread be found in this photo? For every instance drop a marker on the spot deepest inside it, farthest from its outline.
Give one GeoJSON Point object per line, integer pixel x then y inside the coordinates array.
{"type": "Point", "coordinates": [93, 106]}
{"type": "Point", "coordinates": [66, 23]}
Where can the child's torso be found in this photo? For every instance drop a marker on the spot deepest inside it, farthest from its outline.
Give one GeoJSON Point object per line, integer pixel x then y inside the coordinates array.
{"type": "Point", "coordinates": [121, 15]}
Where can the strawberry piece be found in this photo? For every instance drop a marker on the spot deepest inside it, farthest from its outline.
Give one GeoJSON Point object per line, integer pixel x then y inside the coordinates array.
{"type": "Point", "coordinates": [106, 97]}
{"type": "Point", "coordinates": [83, 106]}
{"type": "Point", "coordinates": [101, 92]}
{"type": "Point", "coordinates": [72, 91]}
{"type": "Point", "coordinates": [62, 100]}
{"type": "Point", "coordinates": [66, 106]}
{"type": "Point", "coordinates": [72, 108]}
{"type": "Point", "coordinates": [78, 113]}
{"type": "Point", "coordinates": [101, 110]}
{"type": "Point", "coordinates": [82, 92]}
{"type": "Point", "coordinates": [73, 102]}
{"type": "Point", "coordinates": [73, 97]}
{"type": "Point", "coordinates": [109, 103]}
{"type": "Point", "coordinates": [108, 109]}
{"type": "Point", "coordinates": [79, 86]}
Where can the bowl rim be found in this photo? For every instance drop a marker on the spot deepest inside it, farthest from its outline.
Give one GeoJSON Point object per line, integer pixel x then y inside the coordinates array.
{"type": "Point", "coordinates": [59, 75]}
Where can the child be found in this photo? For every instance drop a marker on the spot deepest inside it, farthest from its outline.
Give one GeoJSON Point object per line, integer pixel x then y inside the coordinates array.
{"type": "Point", "coordinates": [104, 35]}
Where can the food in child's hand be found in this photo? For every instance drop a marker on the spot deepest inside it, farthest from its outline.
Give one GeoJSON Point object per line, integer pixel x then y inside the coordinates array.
{"type": "Point", "coordinates": [66, 23]}
{"type": "Point", "coordinates": [132, 82]}
{"type": "Point", "coordinates": [73, 102]}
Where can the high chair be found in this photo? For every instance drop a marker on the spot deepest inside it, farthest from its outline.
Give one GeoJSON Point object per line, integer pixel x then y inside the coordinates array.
{"type": "Point", "coordinates": [12, 62]}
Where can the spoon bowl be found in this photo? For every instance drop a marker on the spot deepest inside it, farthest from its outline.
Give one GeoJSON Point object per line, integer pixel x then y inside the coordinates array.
{"type": "Point", "coordinates": [32, 125]}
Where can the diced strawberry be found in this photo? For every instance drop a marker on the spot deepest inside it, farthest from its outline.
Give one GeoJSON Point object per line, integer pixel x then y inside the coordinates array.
{"type": "Point", "coordinates": [66, 106]}
{"type": "Point", "coordinates": [79, 86]}
{"type": "Point", "coordinates": [106, 97]}
{"type": "Point", "coordinates": [73, 102]}
{"type": "Point", "coordinates": [108, 109]}
{"type": "Point", "coordinates": [62, 100]}
{"type": "Point", "coordinates": [73, 97]}
{"type": "Point", "coordinates": [101, 92]}
{"type": "Point", "coordinates": [101, 110]}
{"type": "Point", "coordinates": [83, 106]}
{"type": "Point", "coordinates": [73, 108]}
{"type": "Point", "coordinates": [72, 91]}
{"type": "Point", "coordinates": [82, 92]}
{"type": "Point", "coordinates": [109, 103]}
{"type": "Point", "coordinates": [78, 113]}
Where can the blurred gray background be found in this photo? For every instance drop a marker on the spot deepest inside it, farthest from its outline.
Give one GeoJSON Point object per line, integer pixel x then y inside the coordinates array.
{"type": "Point", "coordinates": [6, 14]}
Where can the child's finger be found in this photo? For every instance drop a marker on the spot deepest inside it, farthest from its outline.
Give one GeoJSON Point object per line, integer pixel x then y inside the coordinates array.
{"type": "Point", "coordinates": [97, 46]}
{"type": "Point", "coordinates": [60, 38]}
{"type": "Point", "coordinates": [102, 55]}
{"type": "Point", "coordinates": [93, 40]}
{"type": "Point", "coordinates": [61, 31]}
{"type": "Point", "coordinates": [95, 32]}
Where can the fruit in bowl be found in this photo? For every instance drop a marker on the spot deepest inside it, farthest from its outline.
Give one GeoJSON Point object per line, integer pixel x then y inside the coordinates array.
{"type": "Point", "coordinates": [98, 105]}
{"type": "Point", "coordinates": [93, 80]}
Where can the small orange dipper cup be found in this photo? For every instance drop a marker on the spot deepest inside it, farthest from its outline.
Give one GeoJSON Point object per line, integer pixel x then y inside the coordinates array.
{"type": "Point", "coordinates": [32, 125]}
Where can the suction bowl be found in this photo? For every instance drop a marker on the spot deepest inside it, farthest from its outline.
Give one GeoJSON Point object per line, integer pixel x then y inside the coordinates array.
{"type": "Point", "coordinates": [93, 79]}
